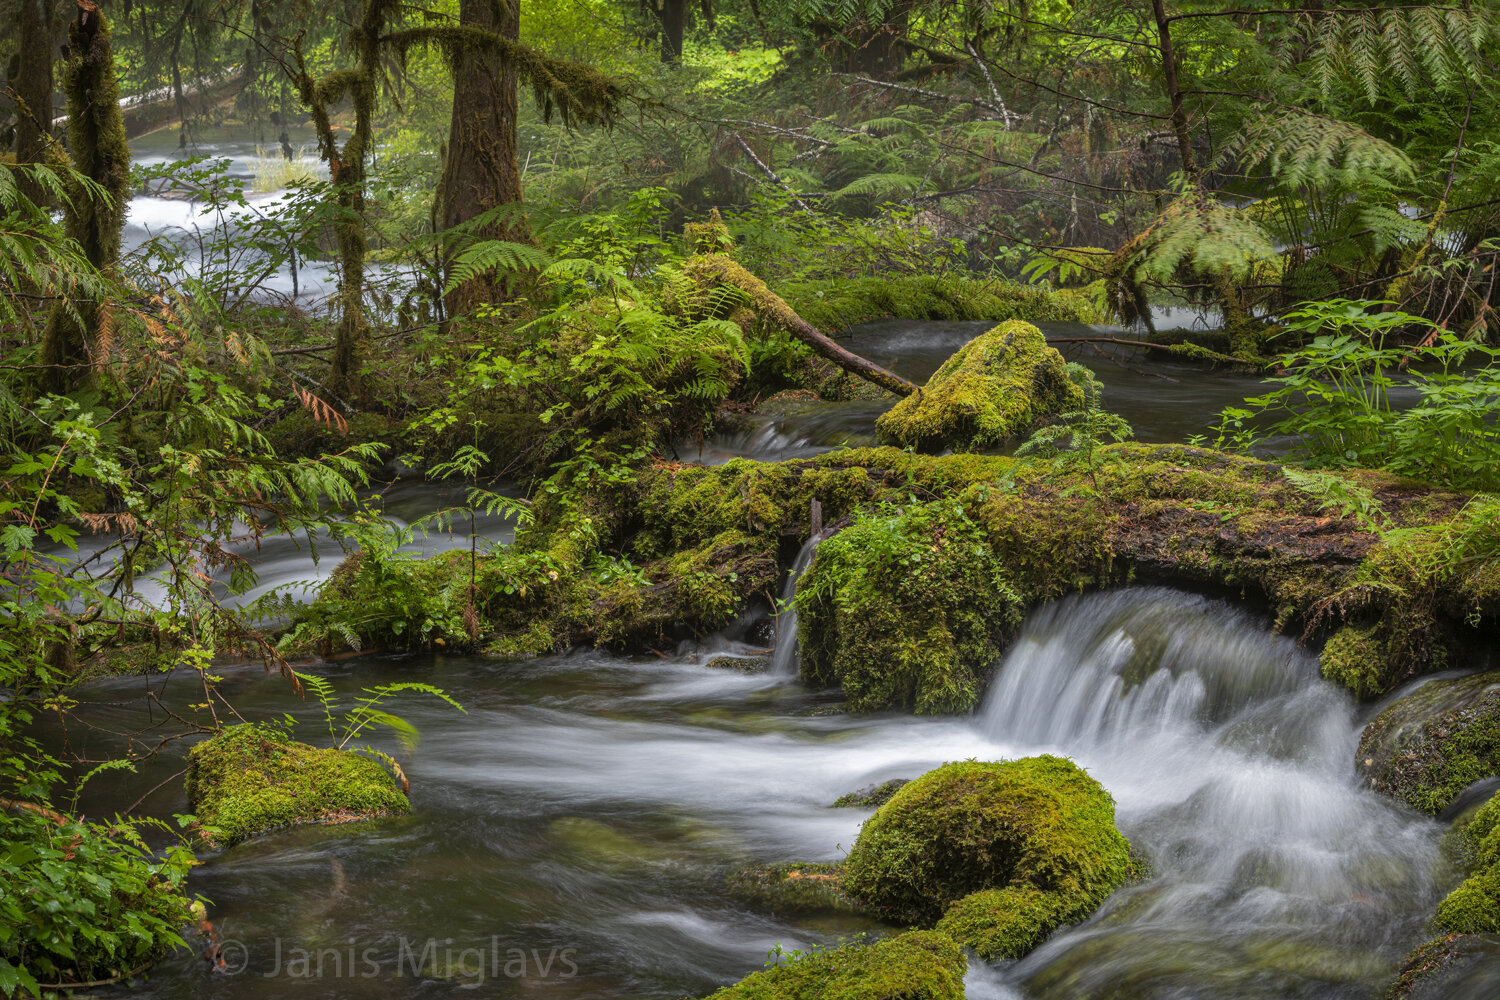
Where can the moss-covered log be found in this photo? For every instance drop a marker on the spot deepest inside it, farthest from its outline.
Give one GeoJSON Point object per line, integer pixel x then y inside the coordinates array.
{"type": "Point", "coordinates": [684, 549]}
{"type": "Point", "coordinates": [717, 269]}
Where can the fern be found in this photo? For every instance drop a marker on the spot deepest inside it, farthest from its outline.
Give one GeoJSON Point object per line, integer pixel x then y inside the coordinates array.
{"type": "Point", "coordinates": [1419, 48]}
{"type": "Point", "coordinates": [494, 257]}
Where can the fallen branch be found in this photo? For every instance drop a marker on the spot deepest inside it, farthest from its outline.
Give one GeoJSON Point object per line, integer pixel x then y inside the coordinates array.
{"type": "Point", "coordinates": [774, 309]}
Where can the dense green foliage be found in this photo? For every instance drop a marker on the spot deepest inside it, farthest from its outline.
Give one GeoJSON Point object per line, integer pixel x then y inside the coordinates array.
{"type": "Point", "coordinates": [1322, 182]}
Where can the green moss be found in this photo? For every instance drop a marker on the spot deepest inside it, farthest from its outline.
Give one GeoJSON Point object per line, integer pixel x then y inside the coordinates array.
{"type": "Point", "coordinates": [1432, 744]}
{"type": "Point", "coordinates": [870, 798]}
{"type": "Point", "coordinates": [1000, 853]}
{"type": "Point", "coordinates": [919, 965]}
{"type": "Point", "coordinates": [247, 780]}
{"type": "Point", "coordinates": [998, 386]}
{"type": "Point", "coordinates": [1474, 907]}
{"type": "Point", "coordinates": [796, 888]}
{"type": "Point", "coordinates": [1453, 966]}
{"type": "Point", "coordinates": [1357, 657]}
{"type": "Point", "coordinates": [837, 304]}
{"type": "Point", "coordinates": [909, 610]}
{"type": "Point", "coordinates": [1004, 923]}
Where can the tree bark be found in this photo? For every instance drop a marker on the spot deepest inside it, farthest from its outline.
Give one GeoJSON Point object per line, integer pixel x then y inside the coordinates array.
{"type": "Point", "coordinates": [96, 140]}
{"type": "Point", "coordinates": [482, 169]}
{"type": "Point", "coordinates": [673, 22]}
{"type": "Point", "coordinates": [33, 84]}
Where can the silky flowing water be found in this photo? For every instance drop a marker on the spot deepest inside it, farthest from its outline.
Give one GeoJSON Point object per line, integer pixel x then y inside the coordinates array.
{"type": "Point", "coordinates": [588, 808]}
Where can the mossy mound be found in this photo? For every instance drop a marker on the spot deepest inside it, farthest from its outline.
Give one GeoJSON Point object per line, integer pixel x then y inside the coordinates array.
{"type": "Point", "coordinates": [1001, 854]}
{"type": "Point", "coordinates": [908, 611]}
{"type": "Point", "coordinates": [248, 780]}
{"type": "Point", "coordinates": [796, 888]}
{"type": "Point", "coordinates": [1474, 907]}
{"type": "Point", "coordinates": [998, 386]}
{"type": "Point", "coordinates": [1427, 747]}
{"type": "Point", "coordinates": [918, 965]}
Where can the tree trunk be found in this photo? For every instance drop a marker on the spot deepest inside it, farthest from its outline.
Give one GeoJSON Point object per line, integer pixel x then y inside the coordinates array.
{"type": "Point", "coordinates": [673, 21]}
{"type": "Point", "coordinates": [33, 84]}
{"type": "Point", "coordinates": [96, 140]}
{"type": "Point", "coordinates": [482, 169]}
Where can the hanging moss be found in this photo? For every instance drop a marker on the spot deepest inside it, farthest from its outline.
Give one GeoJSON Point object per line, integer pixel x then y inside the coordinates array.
{"type": "Point", "coordinates": [998, 386]}
{"type": "Point", "coordinates": [248, 780]}
{"type": "Point", "coordinates": [999, 854]}
{"type": "Point", "coordinates": [920, 965]}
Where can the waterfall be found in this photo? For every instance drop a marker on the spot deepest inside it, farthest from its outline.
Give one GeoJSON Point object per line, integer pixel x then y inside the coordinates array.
{"type": "Point", "coordinates": [1230, 761]}
{"type": "Point", "coordinates": [784, 659]}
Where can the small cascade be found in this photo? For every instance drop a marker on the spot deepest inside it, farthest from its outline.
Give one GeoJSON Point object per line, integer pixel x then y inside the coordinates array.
{"type": "Point", "coordinates": [784, 659]}
{"type": "Point", "coordinates": [1228, 757]}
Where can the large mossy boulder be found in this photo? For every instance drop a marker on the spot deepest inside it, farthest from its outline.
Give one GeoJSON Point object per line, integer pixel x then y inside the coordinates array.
{"type": "Point", "coordinates": [918, 965]}
{"type": "Point", "coordinates": [907, 610]}
{"type": "Point", "coordinates": [249, 779]}
{"type": "Point", "coordinates": [1000, 385]}
{"type": "Point", "coordinates": [998, 855]}
{"type": "Point", "coordinates": [1427, 747]}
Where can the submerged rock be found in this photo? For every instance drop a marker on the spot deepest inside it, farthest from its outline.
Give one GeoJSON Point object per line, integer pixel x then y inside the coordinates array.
{"type": "Point", "coordinates": [247, 780]}
{"type": "Point", "coordinates": [1427, 747]}
{"type": "Point", "coordinates": [757, 664]}
{"type": "Point", "coordinates": [998, 386]}
{"type": "Point", "coordinates": [997, 854]}
{"type": "Point", "coordinates": [796, 888]}
{"type": "Point", "coordinates": [1455, 967]}
{"type": "Point", "coordinates": [918, 965]}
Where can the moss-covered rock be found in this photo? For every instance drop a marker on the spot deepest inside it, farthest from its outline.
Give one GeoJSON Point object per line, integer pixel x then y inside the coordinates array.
{"type": "Point", "coordinates": [999, 854]}
{"type": "Point", "coordinates": [795, 888]}
{"type": "Point", "coordinates": [918, 965]}
{"type": "Point", "coordinates": [1452, 967]}
{"type": "Point", "coordinates": [909, 610]}
{"type": "Point", "coordinates": [998, 386]}
{"type": "Point", "coordinates": [871, 797]}
{"type": "Point", "coordinates": [1474, 907]}
{"type": "Point", "coordinates": [1427, 747]}
{"type": "Point", "coordinates": [249, 779]}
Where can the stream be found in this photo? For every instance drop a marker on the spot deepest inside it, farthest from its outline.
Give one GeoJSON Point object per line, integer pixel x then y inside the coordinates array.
{"type": "Point", "coordinates": [589, 807]}
{"type": "Point", "coordinates": [571, 834]}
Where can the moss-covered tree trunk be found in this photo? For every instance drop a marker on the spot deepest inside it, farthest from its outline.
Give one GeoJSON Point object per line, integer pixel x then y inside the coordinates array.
{"type": "Point", "coordinates": [346, 165]}
{"type": "Point", "coordinates": [96, 141]}
{"type": "Point", "coordinates": [33, 84]}
{"type": "Point", "coordinates": [482, 170]}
